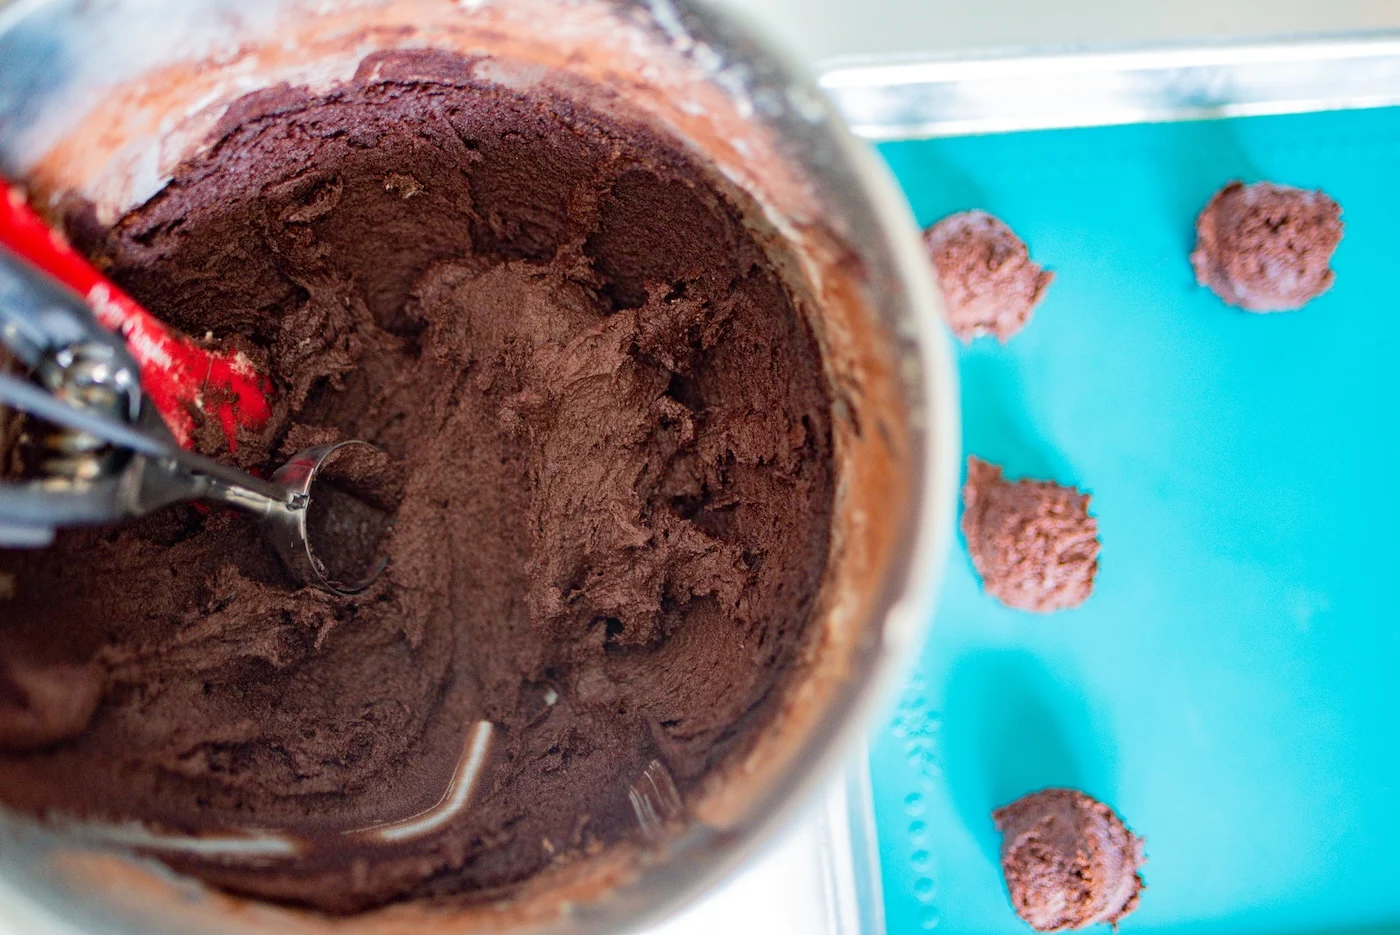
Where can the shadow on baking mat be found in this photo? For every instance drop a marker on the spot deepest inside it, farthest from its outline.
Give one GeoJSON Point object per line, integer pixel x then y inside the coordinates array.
{"type": "Point", "coordinates": [1009, 730]}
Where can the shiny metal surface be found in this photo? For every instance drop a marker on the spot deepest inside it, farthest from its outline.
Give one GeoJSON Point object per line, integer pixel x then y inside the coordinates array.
{"type": "Point", "coordinates": [822, 29]}
{"type": "Point", "coordinates": [284, 522]}
{"type": "Point", "coordinates": [868, 287]}
{"type": "Point", "coordinates": [920, 97]}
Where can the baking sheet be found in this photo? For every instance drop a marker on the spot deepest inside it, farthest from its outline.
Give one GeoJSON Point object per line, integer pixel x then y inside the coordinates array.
{"type": "Point", "coordinates": [924, 96]}
{"type": "Point", "coordinates": [1233, 685]}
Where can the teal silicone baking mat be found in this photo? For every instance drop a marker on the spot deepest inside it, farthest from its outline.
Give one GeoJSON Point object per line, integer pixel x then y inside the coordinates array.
{"type": "Point", "coordinates": [1232, 687]}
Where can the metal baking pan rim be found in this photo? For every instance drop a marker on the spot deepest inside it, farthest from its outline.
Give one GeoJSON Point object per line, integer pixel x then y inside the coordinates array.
{"type": "Point", "coordinates": [916, 97]}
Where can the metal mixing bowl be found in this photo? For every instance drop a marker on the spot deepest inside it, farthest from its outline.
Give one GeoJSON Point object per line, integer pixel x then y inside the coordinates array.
{"type": "Point", "coordinates": [103, 98]}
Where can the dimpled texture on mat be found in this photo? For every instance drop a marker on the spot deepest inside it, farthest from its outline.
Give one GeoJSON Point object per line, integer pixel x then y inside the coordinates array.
{"type": "Point", "coordinates": [1232, 687]}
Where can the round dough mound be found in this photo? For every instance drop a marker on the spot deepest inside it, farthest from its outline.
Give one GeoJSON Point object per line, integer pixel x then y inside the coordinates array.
{"type": "Point", "coordinates": [989, 284]}
{"type": "Point", "coordinates": [1069, 861]}
{"type": "Point", "coordinates": [1033, 542]}
{"type": "Point", "coordinates": [1267, 247]}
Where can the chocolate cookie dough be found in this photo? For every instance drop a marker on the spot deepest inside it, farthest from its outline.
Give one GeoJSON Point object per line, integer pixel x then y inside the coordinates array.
{"type": "Point", "coordinates": [1068, 860]}
{"type": "Point", "coordinates": [989, 284]}
{"type": "Point", "coordinates": [1267, 247]}
{"type": "Point", "coordinates": [1033, 542]}
{"type": "Point", "coordinates": [610, 452]}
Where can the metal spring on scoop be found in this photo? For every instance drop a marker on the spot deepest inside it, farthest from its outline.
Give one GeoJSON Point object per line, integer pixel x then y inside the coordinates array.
{"type": "Point", "coordinates": [82, 376]}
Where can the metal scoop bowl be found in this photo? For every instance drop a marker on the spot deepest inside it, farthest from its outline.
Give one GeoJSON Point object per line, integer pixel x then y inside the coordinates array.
{"type": "Point", "coordinates": [288, 526]}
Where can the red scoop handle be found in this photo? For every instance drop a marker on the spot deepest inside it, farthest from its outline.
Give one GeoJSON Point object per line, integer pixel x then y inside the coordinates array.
{"type": "Point", "coordinates": [177, 375]}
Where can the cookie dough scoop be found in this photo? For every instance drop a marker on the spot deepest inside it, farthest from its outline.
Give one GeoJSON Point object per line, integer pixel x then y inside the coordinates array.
{"type": "Point", "coordinates": [112, 457]}
{"type": "Point", "coordinates": [300, 518]}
